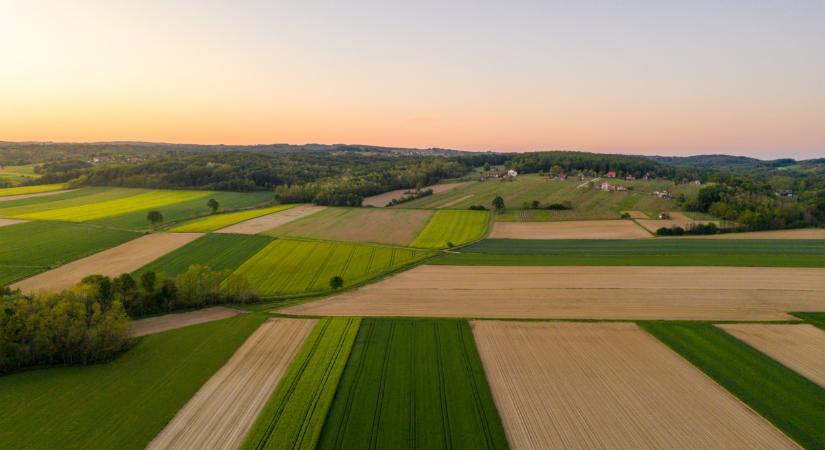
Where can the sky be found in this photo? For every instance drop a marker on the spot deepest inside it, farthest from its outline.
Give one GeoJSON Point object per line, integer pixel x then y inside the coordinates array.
{"type": "Point", "coordinates": [643, 77]}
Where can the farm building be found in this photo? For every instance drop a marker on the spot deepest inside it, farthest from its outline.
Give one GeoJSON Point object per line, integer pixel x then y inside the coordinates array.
{"type": "Point", "coordinates": [610, 174]}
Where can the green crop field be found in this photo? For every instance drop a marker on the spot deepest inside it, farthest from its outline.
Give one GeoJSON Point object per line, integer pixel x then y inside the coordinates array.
{"type": "Point", "coordinates": [413, 384]}
{"type": "Point", "coordinates": [453, 227]}
{"type": "Point", "coordinates": [31, 189]}
{"type": "Point", "coordinates": [17, 174]}
{"type": "Point", "coordinates": [121, 404]}
{"type": "Point", "coordinates": [371, 225]}
{"type": "Point", "coordinates": [218, 251]}
{"type": "Point", "coordinates": [29, 248]}
{"type": "Point", "coordinates": [793, 403]}
{"type": "Point", "coordinates": [218, 221]}
{"type": "Point", "coordinates": [23, 205]}
{"type": "Point", "coordinates": [654, 252]}
{"type": "Point", "coordinates": [294, 415]}
{"type": "Point", "coordinates": [289, 267]}
{"type": "Point", "coordinates": [816, 319]}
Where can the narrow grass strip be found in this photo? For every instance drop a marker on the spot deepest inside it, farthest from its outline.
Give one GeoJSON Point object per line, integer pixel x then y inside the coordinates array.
{"type": "Point", "coordinates": [793, 403]}
{"type": "Point", "coordinates": [816, 319]}
{"type": "Point", "coordinates": [218, 221]}
{"type": "Point", "coordinates": [295, 414]}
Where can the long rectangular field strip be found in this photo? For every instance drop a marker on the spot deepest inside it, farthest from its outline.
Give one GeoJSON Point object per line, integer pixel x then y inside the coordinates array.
{"type": "Point", "coordinates": [287, 266]}
{"type": "Point", "coordinates": [413, 384]}
{"type": "Point", "coordinates": [24, 190]}
{"type": "Point", "coordinates": [294, 415]}
{"type": "Point", "coordinates": [793, 403]}
{"type": "Point", "coordinates": [218, 221]}
{"type": "Point", "coordinates": [453, 228]}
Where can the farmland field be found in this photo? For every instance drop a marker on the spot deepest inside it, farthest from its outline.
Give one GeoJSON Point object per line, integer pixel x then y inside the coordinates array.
{"type": "Point", "coordinates": [29, 248]}
{"type": "Point", "coordinates": [218, 251]}
{"type": "Point", "coordinates": [36, 189]}
{"type": "Point", "coordinates": [374, 225]}
{"type": "Point", "coordinates": [121, 404]}
{"type": "Point", "coordinates": [270, 221]}
{"type": "Point", "coordinates": [381, 200]}
{"type": "Point", "coordinates": [166, 322]}
{"type": "Point", "coordinates": [218, 221]}
{"type": "Point", "coordinates": [222, 411]}
{"type": "Point", "coordinates": [453, 227]}
{"type": "Point", "coordinates": [18, 174]}
{"type": "Point", "coordinates": [579, 229]}
{"type": "Point", "coordinates": [801, 233]}
{"type": "Point", "coordinates": [413, 384]}
{"type": "Point", "coordinates": [287, 266]}
{"type": "Point", "coordinates": [608, 385]}
{"type": "Point", "coordinates": [791, 402]}
{"type": "Point", "coordinates": [294, 415]}
{"type": "Point", "coordinates": [650, 252]}
{"type": "Point", "coordinates": [676, 293]}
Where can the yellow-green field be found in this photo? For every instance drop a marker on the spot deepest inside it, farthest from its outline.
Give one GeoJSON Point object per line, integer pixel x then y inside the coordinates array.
{"type": "Point", "coordinates": [18, 174]}
{"type": "Point", "coordinates": [23, 190]}
{"type": "Point", "coordinates": [449, 228]}
{"type": "Point", "coordinates": [218, 221]}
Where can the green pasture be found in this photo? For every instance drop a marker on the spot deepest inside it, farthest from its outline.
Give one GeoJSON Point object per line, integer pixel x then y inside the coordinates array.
{"type": "Point", "coordinates": [218, 221]}
{"type": "Point", "coordinates": [453, 227]}
{"type": "Point", "coordinates": [36, 189]}
{"type": "Point", "coordinates": [18, 174]}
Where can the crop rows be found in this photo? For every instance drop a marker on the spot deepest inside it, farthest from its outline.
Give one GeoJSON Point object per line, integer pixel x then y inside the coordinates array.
{"type": "Point", "coordinates": [452, 228]}
{"type": "Point", "coordinates": [218, 221]}
{"type": "Point", "coordinates": [413, 384]}
{"type": "Point", "coordinates": [292, 267]}
{"type": "Point", "coordinates": [294, 415]}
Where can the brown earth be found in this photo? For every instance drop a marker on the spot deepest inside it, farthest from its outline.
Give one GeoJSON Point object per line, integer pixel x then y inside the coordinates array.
{"type": "Point", "coordinates": [124, 258]}
{"type": "Point", "coordinates": [381, 200]}
{"type": "Point", "coordinates": [5, 222]}
{"type": "Point", "coordinates": [573, 229]}
{"type": "Point", "coordinates": [8, 198]}
{"type": "Point", "coordinates": [167, 322]}
{"type": "Point", "coordinates": [608, 385]}
{"type": "Point", "coordinates": [270, 221]}
{"type": "Point", "coordinates": [637, 214]}
{"type": "Point", "coordinates": [802, 233]}
{"type": "Point", "coordinates": [221, 413]}
{"type": "Point", "coordinates": [684, 293]}
{"type": "Point", "coordinates": [799, 347]}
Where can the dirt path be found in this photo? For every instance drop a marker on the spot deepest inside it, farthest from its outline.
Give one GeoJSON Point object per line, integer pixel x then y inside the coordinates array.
{"type": "Point", "coordinates": [167, 322]}
{"type": "Point", "coordinates": [270, 221]}
{"type": "Point", "coordinates": [6, 222]}
{"type": "Point", "coordinates": [608, 385]}
{"type": "Point", "coordinates": [381, 200]}
{"type": "Point", "coordinates": [573, 229]}
{"type": "Point", "coordinates": [799, 347]}
{"type": "Point", "coordinates": [221, 413]}
{"type": "Point", "coordinates": [124, 258]}
{"type": "Point", "coordinates": [678, 293]}
{"type": "Point", "coordinates": [8, 198]}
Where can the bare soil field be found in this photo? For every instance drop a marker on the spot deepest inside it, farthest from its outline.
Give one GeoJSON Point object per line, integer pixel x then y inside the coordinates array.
{"type": "Point", "coordinates": [594, 292]}
{"type": "Point", "coordinates": [608, 385]}
{"type": "Point", "coordinates": [8, 198]}
{"type": "Point", "coordinates": [270, 221]}
{"type": "Point", "coordinates": [637, 214]}
{"type": "Point", "coordinates": [799, 347]}
{"type": "Point", "coordinates": [573, 229]}
{"type": "Point", "coordinates": [801, 233]}
{"type": "Point", "coordinates": [124, 258]}
{"type": "Point", "coordinates": [172, 321]}
{"type": "Point", "coordinates": [221, 413]}
{"type": "Point", "coordinates": [381, 200]}
{"type": "Point", "coordinates": [5, 222]}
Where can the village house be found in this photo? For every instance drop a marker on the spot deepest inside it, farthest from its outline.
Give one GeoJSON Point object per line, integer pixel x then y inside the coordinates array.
{"type": "Point", "coordinates": [610, 174]}
{"type": "Point", "coordinates": [607, 187]}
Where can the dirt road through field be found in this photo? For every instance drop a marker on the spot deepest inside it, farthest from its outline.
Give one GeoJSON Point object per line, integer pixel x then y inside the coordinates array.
{"type": "Point", "coordinates": [270, 221]}
{"type": "Point", "coordinates": [6, 222]}
{"type": "Point", "coordinates": [678, 293]}
{"type": "Point", "coordinates": [608, 385]}
{"type": "Point", "coordinates": [9, 198]}
{"type": "Point", "coordinates": [572, 229]}
{"type": "Point", "coordinates": [124, 258]}
{"type": "Point", "coordinates": [172, 321]}
{"type": "Point", "coordinates": [221, 413]}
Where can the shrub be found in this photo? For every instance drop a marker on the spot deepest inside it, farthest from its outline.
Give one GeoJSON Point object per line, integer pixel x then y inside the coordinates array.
{"type": "Point", "coordinates": [336, 282]}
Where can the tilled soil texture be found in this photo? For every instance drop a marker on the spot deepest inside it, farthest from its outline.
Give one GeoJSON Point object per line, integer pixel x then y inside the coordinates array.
{"type": "Point", "coordinates": [224, 409]}
{"type": "Point", "coordinates": [167, 322]}
{"type": "Point", "coordinates": [124, 258]}
{"type": "Point", "coordinates": [592, 292]}
{"type": "Point", "coordinates": [270, 221]}
{"type": "Point", "coordinates": [572, 229]}
{"type": "Point", "coordinates": [608, 385]}
{"type": "Point", "coordinates": [799, 347]}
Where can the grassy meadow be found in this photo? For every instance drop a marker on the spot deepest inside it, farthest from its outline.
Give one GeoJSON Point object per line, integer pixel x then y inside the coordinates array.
{"type": "Point", "coordinates": [17, 174]}
{"type": "Point", "coordinates": [450, 228]}
{"type": "Point", "coordinates": [218, 221]}
{"type": "Point", "coordinates": [36, 189]}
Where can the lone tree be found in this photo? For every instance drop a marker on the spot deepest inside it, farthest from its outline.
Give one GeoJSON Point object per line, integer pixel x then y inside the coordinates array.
{"type": "Point", "coordinates": [213, 204]}
{"type": "Point", "coordinates": [336, 282]}
{"type": "Point", "coordinates": [498, 203]}
{"type": "Point", "coordinates": [155, 217]}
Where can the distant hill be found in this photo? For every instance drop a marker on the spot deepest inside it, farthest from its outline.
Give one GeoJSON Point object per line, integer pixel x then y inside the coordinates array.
{"type": "Point", "coordinates": [744, 164]}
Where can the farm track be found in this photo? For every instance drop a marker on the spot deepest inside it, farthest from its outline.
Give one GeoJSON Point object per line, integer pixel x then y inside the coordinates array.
{"type": "Point", "coordinates": [592, 292]}
{"type": "Point", "coordinates": [9, 198]}
{"type": "Point", "coordinates": [799, 347]}
{"type": "Point", "coordinates": [124, 258]}
{"type": "Point", "coordinates": [603, 385]}
{"type": "Point", "coordinates": [270, 221]}
{"type": "Point", "coordinates": [6, 222]}
{"type": "Point", "coordinates": [172, 321]}
{"type": "Point", "coordinates": [573, 229]}
{"type": "Point", "coordinates": [224, 409]}
{"type": "Point", "coordinates": [381, 200]}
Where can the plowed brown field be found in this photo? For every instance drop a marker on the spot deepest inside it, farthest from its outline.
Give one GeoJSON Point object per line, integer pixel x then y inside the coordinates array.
{"type": "Point", "coordinates": [572, 229]}
{"type": "Point", "coordinates": [124, 258]}
{"type": "Point", "coordinates": [608, 385]}
{"type": "Point", "coordinates": [167, 322]}
{"type": "Point", "coordinates": [270, 221]}
{"type": "Point", "coordinates": [799, 347]}
{"type": "Point", "coordinates": [686, 293]}
{"type": "Point", "coordinates": [224, 409]}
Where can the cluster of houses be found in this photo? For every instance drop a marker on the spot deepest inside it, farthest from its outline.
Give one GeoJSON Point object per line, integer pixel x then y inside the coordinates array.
{"type": "Point", "coordinates": [501, 175]}
{"type": "Point", "coordinates": [607, 187]}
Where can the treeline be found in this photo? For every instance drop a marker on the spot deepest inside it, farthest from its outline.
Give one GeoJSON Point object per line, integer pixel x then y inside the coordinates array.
{"type": "Point", "coordinates": [596, 163]}
{"type": "Point", "coordinates": [90, 322]}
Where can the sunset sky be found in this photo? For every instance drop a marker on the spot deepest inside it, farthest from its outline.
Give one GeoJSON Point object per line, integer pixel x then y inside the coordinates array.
{"type": "Point", "coordinates": [654, 77]}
